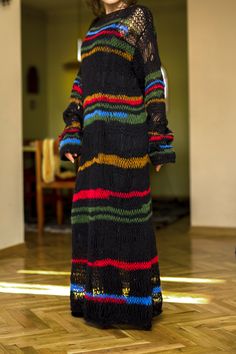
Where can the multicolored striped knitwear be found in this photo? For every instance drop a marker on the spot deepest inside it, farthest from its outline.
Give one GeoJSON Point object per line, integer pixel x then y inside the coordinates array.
{"type": "Point", "coordinates": [116, 123]}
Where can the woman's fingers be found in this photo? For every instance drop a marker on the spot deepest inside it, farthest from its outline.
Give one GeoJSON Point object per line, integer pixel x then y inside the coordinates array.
{"type": "Point", "coordinates": [70, 157]}
{"type": "Point", "coordinates": [158, 167]}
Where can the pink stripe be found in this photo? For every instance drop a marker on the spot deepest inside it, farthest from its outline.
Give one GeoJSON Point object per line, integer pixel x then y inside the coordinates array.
{"type": "Point", "coordinates": [114, 100]}
{"type": "Point", "coordinates": [158, 86]}
{"type": "Point", "coordinates": [114, 32]}
{"type": "Point", "coordinates": [105, 299]}
{"type": "Point", "coordinates": [118, 264]}
{"type": "Point", "coordinates": [77, 89]}
{"type": "Point", "coordinates": [161, 137]}
{"type": "Point", "coordinates": [105, 194]}
{"type": "Point", "coordinates": [81, 260]}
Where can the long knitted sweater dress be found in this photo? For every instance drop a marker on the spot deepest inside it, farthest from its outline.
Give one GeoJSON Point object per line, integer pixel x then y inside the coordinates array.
{"type": "Point", "coordinates": [116, 122]}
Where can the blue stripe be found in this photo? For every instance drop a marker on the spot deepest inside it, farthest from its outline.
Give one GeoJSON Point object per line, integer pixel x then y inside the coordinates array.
{"type": "Point", "coordinates": [155, 82]}
{"type": "Point", "coordinates": [105, 114]}
{"type": "Point", "coordinates": [140, 300]}
{"type": "Point", "coordinates": [156, 289]}
{"type": "Point", "coordinates": [113, 25]}
{"type": "Point", "coordinates": [75, 287]}
{"type": "Point", "coordinates": [75, 141]}
{"type": "Point", "coordinates": [166, 146]}
{"type": "Point", "coordinates": [78, 82]}
{"type": "Point", "coordinates": [147, 300]}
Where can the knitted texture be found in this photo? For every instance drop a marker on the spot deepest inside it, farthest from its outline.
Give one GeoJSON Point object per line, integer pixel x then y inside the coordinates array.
{"type": "Point", "coordinates": [116, 121]}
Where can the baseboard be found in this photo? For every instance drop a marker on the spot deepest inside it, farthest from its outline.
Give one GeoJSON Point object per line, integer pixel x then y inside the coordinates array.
{"type": "Point", "coordinates": [211, 231]}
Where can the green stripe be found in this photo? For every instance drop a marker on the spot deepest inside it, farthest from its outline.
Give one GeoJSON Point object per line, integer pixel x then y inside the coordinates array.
{"type": "Point", "coordinates": [154, 75]}
{"type": "Point", "coordinates": [131, 119]}
{"type": "Point", "coordinates": [71, 135]}
{"type": "Point", "coordinates": [115, 43]}
{"type": "Point", "coordinates": [162, 152]}
{"type": "Point", "coordinates": [75, 94]}
{"type": "Point", "coordinates": [157, 93]}
{"type": "Point", "coordinates": [119, 211]}
{"type": "Point", "coordinates": [87, 218]}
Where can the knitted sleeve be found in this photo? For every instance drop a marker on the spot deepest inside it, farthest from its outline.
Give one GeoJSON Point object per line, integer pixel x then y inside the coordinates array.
{"type": "Point", "coordinates": [70, 140]}
{"type": "Point", "coordinates": [148, 67]}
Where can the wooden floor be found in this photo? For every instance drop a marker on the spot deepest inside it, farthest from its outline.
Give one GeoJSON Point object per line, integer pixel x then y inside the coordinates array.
{"type": "Point", "coordinates": [199, 310]}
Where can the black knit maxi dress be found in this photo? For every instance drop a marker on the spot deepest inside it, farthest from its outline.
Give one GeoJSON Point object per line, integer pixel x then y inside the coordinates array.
{"type": "Point", "coordinates": [116, 122]}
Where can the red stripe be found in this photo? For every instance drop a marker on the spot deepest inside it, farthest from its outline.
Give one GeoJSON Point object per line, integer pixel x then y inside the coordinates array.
{"type": "Point", "coordinates": [82, 261]}
{"type": "Point", "coordinates": [106, 193]}
{"type": "Point", "coordinates": [161, 137]}
{"type": "Point", "coordinates": [105, 299]}
{"type": "Point", "coordinates": [66, 131]}
{"type": "Point", "coordinates": [158, 86]}
{"type": "Point", "coordinates": [114, 32]}
{"type": "Point", "coordinates": [123, 265]}
{"type": "Point", "coordinates": [113, 100]}
{"type": "Point", "coordinates": [77, 89]}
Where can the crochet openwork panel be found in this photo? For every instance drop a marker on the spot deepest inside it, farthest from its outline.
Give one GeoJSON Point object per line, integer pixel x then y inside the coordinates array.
{"type": "Point", "coordinates": [147, 65]}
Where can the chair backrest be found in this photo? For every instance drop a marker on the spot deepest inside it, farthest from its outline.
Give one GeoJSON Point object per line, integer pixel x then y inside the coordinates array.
{"type": "Point", "coordinates": [59, 184]}
{"type": "Point", "coordinates": [38, 161]}
{"type": "Point", "coordinates": [39, 154]}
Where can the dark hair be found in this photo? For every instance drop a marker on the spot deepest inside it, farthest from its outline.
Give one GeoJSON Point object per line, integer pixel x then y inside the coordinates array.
{"type": "Point", "coordinates": [98, 8]}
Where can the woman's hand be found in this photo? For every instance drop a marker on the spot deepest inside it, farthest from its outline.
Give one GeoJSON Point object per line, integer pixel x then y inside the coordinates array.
{"type": "Point", "coordinates": [158, 167]}
{"type": "Point", "coordinates": [70, 156]}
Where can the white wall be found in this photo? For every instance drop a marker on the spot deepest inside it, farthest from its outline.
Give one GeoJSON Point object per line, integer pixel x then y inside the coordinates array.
{"type": "Point", "coordinates": [212, 73]}
{"type": "Point", "coordinates": [11, 189]}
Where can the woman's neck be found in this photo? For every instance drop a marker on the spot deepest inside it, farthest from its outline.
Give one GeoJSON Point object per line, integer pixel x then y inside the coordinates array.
{"type": "Point", "coordinates": [114, 7]}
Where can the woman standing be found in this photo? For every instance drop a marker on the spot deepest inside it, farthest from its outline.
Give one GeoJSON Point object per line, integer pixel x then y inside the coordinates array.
{"type": "Point", "coordinates": [116, 123]}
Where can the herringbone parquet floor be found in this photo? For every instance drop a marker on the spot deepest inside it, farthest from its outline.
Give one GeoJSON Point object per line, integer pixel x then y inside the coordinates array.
{"type": "Point", "coordinates": [198, 281]}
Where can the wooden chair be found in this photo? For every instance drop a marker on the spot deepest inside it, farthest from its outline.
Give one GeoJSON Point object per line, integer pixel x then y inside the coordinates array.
{"type": "Point", "coordinates": [58, 185]}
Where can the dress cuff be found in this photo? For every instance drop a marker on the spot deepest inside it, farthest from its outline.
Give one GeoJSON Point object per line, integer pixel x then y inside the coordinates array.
{"type": "Point", "coordinates": [160, 158]}
{"type": "Point", "coordinates": [70, 141]}
{"type": "Point", "coordinates": [160, 149]}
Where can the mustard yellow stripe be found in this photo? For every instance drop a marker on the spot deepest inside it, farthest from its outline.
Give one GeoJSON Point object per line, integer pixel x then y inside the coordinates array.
{"type": "Point", "coordinates": [76, 100]}
{"type": "Point", "coordinates": [74, 124]}
{"type": "Point", "coordinates": [109, 159]}
{"type": "Point", "coordinates": [156, 133]}
{"type": "Point", "coordinates": [107, 50]}
{"type": "Point", "coordinates": [157, 100]}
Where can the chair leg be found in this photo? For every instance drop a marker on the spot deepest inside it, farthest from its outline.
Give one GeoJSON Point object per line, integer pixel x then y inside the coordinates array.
{"type": "Point", "coordinates": [40, 211]}
{"type": "Point", "coordinates": [59, 207]}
